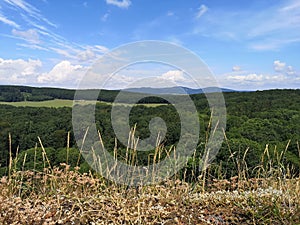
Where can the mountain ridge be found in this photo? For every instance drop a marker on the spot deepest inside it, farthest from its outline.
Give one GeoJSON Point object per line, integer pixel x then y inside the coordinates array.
{"type": "Point", "coordinates": [178, 90]}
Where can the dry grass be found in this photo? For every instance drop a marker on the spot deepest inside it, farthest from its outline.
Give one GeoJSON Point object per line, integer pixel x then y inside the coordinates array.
{"type": "Point", "coordinates": [65, 196]}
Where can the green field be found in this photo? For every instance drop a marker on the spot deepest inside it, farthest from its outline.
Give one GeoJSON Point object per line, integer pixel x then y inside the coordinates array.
{"type": "Point", "coordinates": [56, 103]}
{"type": "Point", "coordinates": [51, 103]}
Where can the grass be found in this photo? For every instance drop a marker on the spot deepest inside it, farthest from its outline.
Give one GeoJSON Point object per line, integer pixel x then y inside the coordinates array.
{"type": "Point", "coordinates": [62, 195]}
{"type": "Point", "coordinates": [51, 103]}
{"type": "Point", "coordinates": [56, 103]}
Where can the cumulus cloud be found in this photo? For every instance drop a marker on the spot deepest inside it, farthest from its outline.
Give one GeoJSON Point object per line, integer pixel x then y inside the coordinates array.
{"type": "Point", "coordinates": [30, 35]}
{"type": "Point", "coordinates": [284, 76]}
{"type": "Point", "coordinates": [137, 77]}
{"type": "Point", "coordinates": [173, 75]}
{"type": "Point", "coordinates": [282, 67]}
{"type": "Point", "coordinates": [30, 72]}
{"type": "Point", "coordinates": [19, 71]}
{"type": "Point", "coordinates": [202, 9]}
{"type": "Point", "coordinates": [62, 72]}
{"type": "Point", "coordinates": [279, 66]}
{"type": "Point", "coordinates": [119, 3]}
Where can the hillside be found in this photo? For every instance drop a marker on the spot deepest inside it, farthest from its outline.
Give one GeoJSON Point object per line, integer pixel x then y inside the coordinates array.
{"type": "Point", "coordinates": [254, 120]}
{"type": "Point", "coordinates": [10, 93]}
{"type": "Point", "coordinates": [253, 180]}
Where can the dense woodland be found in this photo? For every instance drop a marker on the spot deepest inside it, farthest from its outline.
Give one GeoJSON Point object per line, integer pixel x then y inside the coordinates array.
{"type": "Point", "coordinates": [9, 93]}
{"type": "Point", "coordinates": [254, 120]}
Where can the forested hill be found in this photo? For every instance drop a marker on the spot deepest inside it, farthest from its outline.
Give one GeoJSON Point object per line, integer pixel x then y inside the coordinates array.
{"type": "Point", "coordinates": [254, 120]}
{"type": "Point", "coordinates": [9, 93]}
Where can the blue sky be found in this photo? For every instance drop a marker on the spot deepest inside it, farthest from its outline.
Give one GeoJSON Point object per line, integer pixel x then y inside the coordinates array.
{"type": "Point", "coordinates": [248, 45]}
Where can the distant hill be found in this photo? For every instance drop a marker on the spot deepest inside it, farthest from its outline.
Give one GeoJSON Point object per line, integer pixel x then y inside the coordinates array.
{"type": "Point", "coordinates": [11, 93]}
{"type": "Point", "coordinates": [178, 90]}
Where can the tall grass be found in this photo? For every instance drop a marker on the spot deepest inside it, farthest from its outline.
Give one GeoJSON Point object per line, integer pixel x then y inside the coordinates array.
{"type": "Point", "coordinates": [63, 195]}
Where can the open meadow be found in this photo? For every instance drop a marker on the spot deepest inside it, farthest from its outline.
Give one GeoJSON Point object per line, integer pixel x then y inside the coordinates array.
{"type": "Point", "coordinates": [57, 103]}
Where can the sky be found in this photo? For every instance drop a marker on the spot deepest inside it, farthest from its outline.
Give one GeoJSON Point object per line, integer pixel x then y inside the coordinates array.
{"type": "Point", "coordinates": [248, 45]}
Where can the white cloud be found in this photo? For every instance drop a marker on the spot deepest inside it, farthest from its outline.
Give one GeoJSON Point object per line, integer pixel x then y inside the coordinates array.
{"type": "Point", "coordinates": [254, 81]}
{"type": "Point", "coordinates": [236, 68]}
{"type": "Point", "coordinates": [32, 46]}
{"type": "Point", "coordinates": [253, 77]}
{"type": "Point", "coordinates": [290, 70]}
{"type": "Point", "coordinates": [292, 6]}
{"type": "Point", "coordinates": [261, 29]}
{"type": "Point", "coordinates": [202, 9]}
{"type": "Point", "coordinates": [79, 53]}
{"type": "Point", "coordinates": [40, 32]}
{"type": "Point", "coordinates": [29, 72]}
{"type": "Point", "coordinates": [22, 5]}
{"type": "Point", "coordinates": [284, 76]}
{"type": "Point", "coordinates": [30, 35]}
{"type": "Point", "coordinates": [272, 44]}
{"type": "Point", "coordinates": [61, 73]}
{"type": "Point", "coordinates": [118, 81]}
{"type": "Point", "coordinates": [243, 80]}
{"type": "Point", "coordinates": [282, 68]}
{"type": "Point", "coordinates": [64, 52]}
{"type": "Point", "coordinates": [86, 55]}
{"type": "Point", "coordinates": [91, 53]}
{"type": "Point", "coordinates": [279, 66]}
{"type": "Point", "coordinates": [173, 75]}
{"type": "Point", "coordinates": [119, 3]}
{"type": "Point", "coordinates": [281, 22]}
{"type": "Point", "coordinates": [141, 75]}
{"type": "Point", "coordinates": [30, 10]}
{"type": "Point", "coordinates": [18, 71]}
{"type": "Point", "coordinates": [7, 21]}
{"type": "Point", "coordinates": [100, 49]}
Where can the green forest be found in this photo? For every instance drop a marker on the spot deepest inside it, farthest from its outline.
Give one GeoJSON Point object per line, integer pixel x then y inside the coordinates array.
{"type": "Point", "coordinates": [255, 121]}
{"type": "Point", "coordinates": [11, 93]}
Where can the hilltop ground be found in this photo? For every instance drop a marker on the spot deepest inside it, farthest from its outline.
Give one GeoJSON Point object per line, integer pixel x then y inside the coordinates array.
{"type": "Point", "coordinates": [62, 196]}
